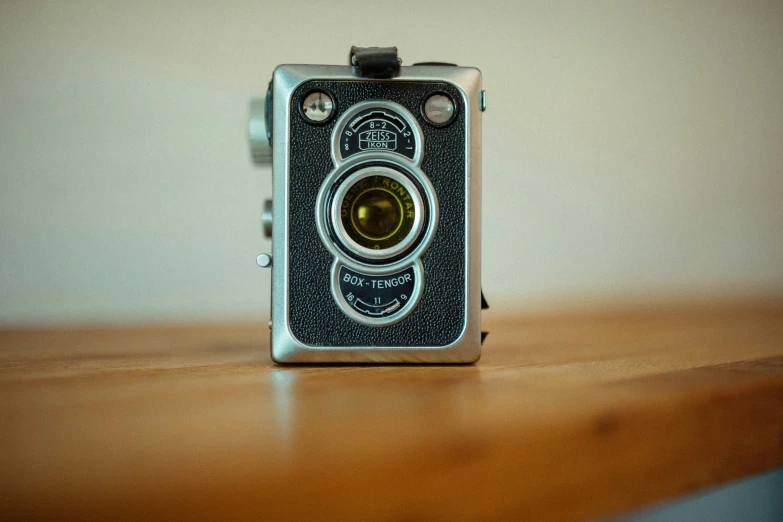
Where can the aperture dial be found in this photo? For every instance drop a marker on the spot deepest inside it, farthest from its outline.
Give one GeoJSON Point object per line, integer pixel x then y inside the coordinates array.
{"type": "Point", "coordinates": [377, 126]}
{"type": "Point", "coordinates": [377, 131]}
{"type": "Point", "coordinates": [377, 300]}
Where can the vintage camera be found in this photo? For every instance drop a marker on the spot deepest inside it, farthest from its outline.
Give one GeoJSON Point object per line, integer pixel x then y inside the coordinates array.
{"type": "Point", "coordinates": [375, 216]}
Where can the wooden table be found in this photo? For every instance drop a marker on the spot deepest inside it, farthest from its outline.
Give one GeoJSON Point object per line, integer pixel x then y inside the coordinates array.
{"type": "Point", "coordinates": [565, 417]}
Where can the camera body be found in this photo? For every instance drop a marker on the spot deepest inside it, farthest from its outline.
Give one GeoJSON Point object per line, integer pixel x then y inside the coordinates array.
{"type": "Point", "coordinates": [375, 221]}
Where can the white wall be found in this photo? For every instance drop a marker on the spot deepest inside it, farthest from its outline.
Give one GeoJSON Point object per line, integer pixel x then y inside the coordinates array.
{"type": "Point", "coordinates": [632, 150]}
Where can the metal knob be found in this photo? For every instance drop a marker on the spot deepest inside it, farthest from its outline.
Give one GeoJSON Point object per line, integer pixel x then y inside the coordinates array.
{"type": "Point", "coordinates": [266, 218]}
{"type": "Point", "coordinates": [257, 133]}
{"type": "Point", "coordinates": [264, 260]}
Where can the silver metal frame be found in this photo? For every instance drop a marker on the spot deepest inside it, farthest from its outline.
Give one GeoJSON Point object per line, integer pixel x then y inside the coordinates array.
{"type": "Point", "coordinates": [286, 348]}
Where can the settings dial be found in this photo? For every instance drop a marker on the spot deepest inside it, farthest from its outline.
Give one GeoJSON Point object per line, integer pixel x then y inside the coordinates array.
{"type": "Point", "coordinates": [377, 299]}
{"type": "Point", "coordinates": [379, 131]}
{"type": "Point", "coordinates": [377, 126]}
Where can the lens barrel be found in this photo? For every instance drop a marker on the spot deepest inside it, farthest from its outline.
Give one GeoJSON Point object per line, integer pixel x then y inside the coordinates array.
{"type": "Point", "coordinates": [377, 213]}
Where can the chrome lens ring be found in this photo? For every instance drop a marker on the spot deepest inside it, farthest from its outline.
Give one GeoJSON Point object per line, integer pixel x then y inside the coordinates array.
{"type": "Point", "coordinates": [381, 261]}
{"type": "Point", "coordinates": [342, 234]}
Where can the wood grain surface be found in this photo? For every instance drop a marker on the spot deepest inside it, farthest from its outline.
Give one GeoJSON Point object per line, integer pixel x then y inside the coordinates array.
{"type": "Point", "coordinates": [566, 417]}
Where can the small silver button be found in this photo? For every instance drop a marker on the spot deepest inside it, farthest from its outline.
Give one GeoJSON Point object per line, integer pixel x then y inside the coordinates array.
{"type": "Point", "coordinates": [439, 109]}
{"type": "Point", "coordinates": [264, 260]}
{"type": "Point", "coordinates": [317, 106]}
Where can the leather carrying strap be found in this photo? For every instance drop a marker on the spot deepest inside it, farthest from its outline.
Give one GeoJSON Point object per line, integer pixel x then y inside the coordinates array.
{"type": "Point", "coordinates": [375, 62]}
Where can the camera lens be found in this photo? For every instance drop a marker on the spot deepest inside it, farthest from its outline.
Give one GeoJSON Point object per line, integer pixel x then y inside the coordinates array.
{"type": "Point", "coordinates": [377, 213]}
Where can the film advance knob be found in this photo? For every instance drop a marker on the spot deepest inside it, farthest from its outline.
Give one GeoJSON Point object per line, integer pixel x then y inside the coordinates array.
{"type": "Point", "coordinates": [266, 218]}
{"type": "Point", "coordinates": [257, 135]}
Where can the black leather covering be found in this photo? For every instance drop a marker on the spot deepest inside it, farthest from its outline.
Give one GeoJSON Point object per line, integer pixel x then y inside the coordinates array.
{"type": "Point", "coordinates": [315, 318]}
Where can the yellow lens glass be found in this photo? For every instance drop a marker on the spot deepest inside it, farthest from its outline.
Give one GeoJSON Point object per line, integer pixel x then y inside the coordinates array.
{"type": "Point", "coordinates": [377, 212]}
